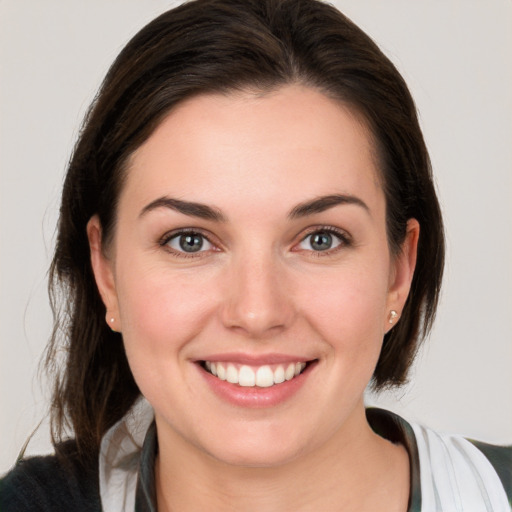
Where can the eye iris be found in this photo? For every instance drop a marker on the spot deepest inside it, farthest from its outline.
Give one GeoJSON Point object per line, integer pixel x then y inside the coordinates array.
{"type": "Point", "coordinates": [321, 241]}
{"type": "Point", "coordinates": [191, 243]}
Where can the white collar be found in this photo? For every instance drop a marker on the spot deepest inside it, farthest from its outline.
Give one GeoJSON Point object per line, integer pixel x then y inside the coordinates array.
{"type": "Point", "coordinates": [119, 458]}
{"type": "Point", "coordinates": [454, 474]}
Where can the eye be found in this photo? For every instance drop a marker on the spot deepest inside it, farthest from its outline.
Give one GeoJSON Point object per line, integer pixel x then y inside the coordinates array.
{"type": "Point", "coordinates": [188, 242]}
{"type": "Point", "coordinates": [322, 240]}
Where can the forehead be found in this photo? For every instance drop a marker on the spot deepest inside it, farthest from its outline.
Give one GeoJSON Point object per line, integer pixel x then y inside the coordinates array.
{"type": "Point", "coordinates": [294, 138]}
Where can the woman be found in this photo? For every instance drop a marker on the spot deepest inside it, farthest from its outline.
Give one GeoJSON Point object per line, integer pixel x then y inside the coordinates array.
{"type": "Point", "coordinates": [249, 235]}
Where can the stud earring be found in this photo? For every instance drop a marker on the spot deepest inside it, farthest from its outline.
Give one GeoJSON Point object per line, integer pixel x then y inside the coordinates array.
{"type": "Point", "coordinates": [392, 316]}
{"type": "Point", "coordinates": [111, 321]}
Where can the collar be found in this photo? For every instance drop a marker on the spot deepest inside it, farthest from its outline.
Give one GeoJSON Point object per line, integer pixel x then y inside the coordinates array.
{"type": "Point", "coordinates": [122, 450]}
{"type": "Point", "coordinates": [447, 472]}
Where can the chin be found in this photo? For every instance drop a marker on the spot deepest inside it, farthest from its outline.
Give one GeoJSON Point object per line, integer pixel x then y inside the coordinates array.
{"type": "Point", "coordinates": [257, 451]}
{"type": "Point", "coordinates": [256, 458]}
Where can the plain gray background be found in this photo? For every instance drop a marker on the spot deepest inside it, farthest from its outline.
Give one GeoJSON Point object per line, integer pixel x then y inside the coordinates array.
{"type": "Point", "coordinates": [456, 57]}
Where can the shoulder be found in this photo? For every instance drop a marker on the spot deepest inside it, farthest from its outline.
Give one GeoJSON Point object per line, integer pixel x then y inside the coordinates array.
{"type": "Point", "coordinates": [457, 471]}
{"type": "Point", "coordinates": [449, 472]}
{"type": "Point", "coordinates": [52, 483]}
{"type": "Point", "coordinates": [500, 458]}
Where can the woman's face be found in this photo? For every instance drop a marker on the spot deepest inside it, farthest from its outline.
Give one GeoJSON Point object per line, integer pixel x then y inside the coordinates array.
{"type": "Point", "coordinates": [251, 243]}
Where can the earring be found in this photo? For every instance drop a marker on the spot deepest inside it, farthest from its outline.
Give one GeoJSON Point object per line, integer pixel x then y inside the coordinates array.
{"type": "Point", "coordinates": [392, 315]}
{"type": "Point", "coordinates": [111, 320]}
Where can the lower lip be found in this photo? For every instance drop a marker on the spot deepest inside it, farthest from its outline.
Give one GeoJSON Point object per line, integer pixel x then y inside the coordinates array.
{"type": "Point", "coordinates": [255, 397]}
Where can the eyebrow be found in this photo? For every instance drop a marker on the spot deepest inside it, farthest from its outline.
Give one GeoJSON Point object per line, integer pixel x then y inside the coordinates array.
{"type": "Point", "coordinates": [192, 209]}
{"type": "Point", "coordinates": [320, 204]}
{"type": "Point", "coordinates": [203, 211]}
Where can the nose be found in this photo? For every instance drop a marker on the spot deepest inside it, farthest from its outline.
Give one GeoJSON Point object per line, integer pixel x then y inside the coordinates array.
{"type": "Point", "coordinates": [258, 301]}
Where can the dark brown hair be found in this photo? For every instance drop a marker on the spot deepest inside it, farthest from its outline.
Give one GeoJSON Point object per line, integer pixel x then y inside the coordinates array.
{"type": "Point", "coordinates": [223, 46]}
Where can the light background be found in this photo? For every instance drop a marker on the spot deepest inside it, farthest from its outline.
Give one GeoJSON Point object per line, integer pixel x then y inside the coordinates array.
{"type": "Point", "coordinates": [456, 56]}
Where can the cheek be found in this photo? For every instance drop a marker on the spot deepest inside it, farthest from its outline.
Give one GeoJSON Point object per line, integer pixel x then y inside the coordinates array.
{"type": "Point", "coordinates": [160, 312]}
{"type": "Point", "coordinates": [161, 318]}
{"type": "Point", "coordinates": [348, 307]}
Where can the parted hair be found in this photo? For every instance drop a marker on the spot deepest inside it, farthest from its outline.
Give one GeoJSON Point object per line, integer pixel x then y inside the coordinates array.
{"type": "Point", "coordinates": [223, 46]}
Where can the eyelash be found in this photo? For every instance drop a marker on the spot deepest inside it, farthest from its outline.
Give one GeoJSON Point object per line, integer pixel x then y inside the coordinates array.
{"type": "Point", "coordinates": [164, 241]}
{"type": "Point", "coordinates": [344, 239]}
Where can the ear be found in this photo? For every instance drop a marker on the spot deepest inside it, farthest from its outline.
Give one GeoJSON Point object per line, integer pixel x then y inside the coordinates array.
{"type": "Point", "coordinates": [103, 270]}
{"type": "Point", "coordinates": [402, 272]}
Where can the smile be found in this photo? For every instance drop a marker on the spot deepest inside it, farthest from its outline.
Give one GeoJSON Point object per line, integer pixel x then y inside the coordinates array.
{"type": "Point", "coordinates": [258, 376]}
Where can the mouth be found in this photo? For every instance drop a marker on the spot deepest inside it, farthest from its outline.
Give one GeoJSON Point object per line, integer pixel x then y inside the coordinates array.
{"type": "Point", "coordinates": [262, 376]}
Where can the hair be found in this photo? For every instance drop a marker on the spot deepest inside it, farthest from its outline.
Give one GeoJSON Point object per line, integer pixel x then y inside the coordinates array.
{"type": "Point", "coordinates": [224, 46]}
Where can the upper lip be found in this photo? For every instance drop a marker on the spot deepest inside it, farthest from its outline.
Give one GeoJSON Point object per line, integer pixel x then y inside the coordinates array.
{"type": "Point", "coordinates": [256, 359]}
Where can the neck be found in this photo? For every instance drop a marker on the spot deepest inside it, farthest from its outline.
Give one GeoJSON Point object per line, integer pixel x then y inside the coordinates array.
{"type": "Point", "coordinates": [356, 470]}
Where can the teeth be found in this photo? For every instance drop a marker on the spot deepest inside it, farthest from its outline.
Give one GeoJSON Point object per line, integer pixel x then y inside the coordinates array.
{"type": "Point", "coordinates": [279, 375]}
{"type": "Point", "coordinates": [262, 377]}
{"type": "Point", "coordinates": [221, 371]}
{"type": "Point", "coordinates": [232, 374]}
{"type": "Point", "coordinates": [246, 377]}
{"type": "Point", "coordinates": [290, 372]}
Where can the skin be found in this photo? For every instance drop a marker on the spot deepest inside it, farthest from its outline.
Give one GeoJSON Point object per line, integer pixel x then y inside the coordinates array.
{"type": "Point", "coordinates": [259, 287]}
